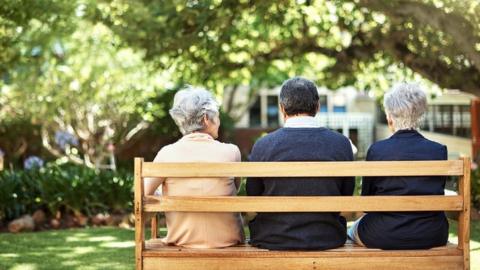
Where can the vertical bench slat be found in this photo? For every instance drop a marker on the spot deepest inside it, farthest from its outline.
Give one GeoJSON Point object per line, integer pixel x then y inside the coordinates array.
{"type": "Point", "coordinates": [139, 216]}
{"type": "Point", "coordinates": [464, 217]}
{"type": "Point", "coordinates": [154, 227]}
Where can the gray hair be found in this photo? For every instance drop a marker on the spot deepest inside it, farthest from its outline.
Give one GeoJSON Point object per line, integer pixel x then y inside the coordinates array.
{"type": "Point", "coordinates": [190, 105]}
{"type": "Point", "coordinates": [405, 104]}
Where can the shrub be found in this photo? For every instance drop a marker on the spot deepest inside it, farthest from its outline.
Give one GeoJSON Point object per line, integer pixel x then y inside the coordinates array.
{"type": "Point", "coordinates": [64, 188]}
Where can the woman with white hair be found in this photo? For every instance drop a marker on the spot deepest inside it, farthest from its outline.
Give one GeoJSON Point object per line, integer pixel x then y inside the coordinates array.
{"type": "Point", "coordinates": [405, 105]}
{"type": "Point", "coordinates": [196, 114]}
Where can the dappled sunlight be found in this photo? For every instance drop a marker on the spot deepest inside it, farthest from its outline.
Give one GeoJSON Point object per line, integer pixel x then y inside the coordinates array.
{"type": "Point", "coordinates": [71, 263]}
{"type": "Point", "coordinates": [125, 244]}
{"type": "Point", "coordinates": [93, 248]}
{"type": "Point", "coordinates": [77, 237]}
{"type": "Point", "coordinates": [9, 255]}
{"type": "Point", "coordinates": [74, 239]}
{"type": "Point", "coordinates": [24, 266]}
{"type": "Point", "coordinates": [78, 251]}
{"type": "Point", "coordinates": [101, 238]}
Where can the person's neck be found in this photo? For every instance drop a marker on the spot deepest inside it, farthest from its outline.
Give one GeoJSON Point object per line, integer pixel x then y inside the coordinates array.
{"type": "Point", "coordinates": [203, 132]}
{"type": "Point", "coordinates": [286, 117]}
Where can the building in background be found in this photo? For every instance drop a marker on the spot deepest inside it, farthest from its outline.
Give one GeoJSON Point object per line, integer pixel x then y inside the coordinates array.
{"type": "Point", "coordinates": [449, 120]}
{"type": "Point", "coordinates": [345, 110]}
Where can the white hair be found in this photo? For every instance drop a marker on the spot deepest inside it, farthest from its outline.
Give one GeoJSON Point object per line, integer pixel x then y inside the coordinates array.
{"type": "Point", "coordinates": [405, 104]}
{"type": "Point", "coordinates": [190, 105]}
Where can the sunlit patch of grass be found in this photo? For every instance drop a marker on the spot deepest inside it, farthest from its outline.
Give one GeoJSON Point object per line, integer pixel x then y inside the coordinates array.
{"type": "Point", "coordinates": [94, 248]}
{"type": "Point", "coordinates": [25, 266]}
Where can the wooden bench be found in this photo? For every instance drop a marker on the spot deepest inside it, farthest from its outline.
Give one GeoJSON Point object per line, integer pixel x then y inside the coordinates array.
{"type": "Point", "coordinates": [151, 254]}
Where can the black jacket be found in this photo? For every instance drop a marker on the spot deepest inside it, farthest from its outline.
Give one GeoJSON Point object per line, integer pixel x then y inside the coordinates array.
{"type": "Point", "coordinates": [407, 230]}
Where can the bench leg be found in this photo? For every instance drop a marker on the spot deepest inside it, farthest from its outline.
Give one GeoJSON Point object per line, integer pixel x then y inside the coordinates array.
{"type": "Point", "coordinates": [139, 215]}
{"type": "Point", "coordinates": [464, 217]}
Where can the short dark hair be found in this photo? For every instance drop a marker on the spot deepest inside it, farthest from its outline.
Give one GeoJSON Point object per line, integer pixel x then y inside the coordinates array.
{"type": "Point", "coordinates": [299, 96]}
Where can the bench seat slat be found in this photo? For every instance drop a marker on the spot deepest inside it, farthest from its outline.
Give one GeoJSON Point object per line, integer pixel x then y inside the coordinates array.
{"type": "Point", "coordinates": [304, 169]}
{"type": "Point", "coordinates": [303, 204]}
{"type": "Point", "coordinates": [155, 248]}
{"type": "Point", "coordinates": [346, 262]}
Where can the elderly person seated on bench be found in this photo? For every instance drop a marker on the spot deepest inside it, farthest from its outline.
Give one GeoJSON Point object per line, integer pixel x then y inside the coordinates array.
{"type": "Point", "coordinates": [196, 113]}
{"type": "Point", "coordinates": [404, 105]}
{"type": "Point", "coordinates": [301, 139]}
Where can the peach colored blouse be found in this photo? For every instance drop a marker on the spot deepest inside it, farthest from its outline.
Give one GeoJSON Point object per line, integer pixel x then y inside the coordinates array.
{"type": "Point", "coordinates": [201, 230]}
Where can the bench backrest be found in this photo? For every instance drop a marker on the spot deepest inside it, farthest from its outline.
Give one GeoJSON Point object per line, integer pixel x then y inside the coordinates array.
{"type": "Point", "coordinates": [459, 203]}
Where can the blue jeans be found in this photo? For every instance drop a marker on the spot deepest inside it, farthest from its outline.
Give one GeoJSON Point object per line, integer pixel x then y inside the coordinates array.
{"type": "Point", "coordinates": [352, 232]}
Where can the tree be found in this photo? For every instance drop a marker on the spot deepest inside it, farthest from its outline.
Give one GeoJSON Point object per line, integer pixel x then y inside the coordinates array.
{"type": "Point", "coordinates": [85, 93]}
{"type": "Point", "coordinates": [364, 42]}
{"type": "Point", "coordinates": [26, 25]}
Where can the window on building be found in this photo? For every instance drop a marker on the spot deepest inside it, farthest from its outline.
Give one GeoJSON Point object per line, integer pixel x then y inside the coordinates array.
{"type": "Point", "coordinates": [272, 111]}
{"type": "Point", "coordinates": [444, 119]}
{"type": "Point", "coordinates": [255, 114]}
{"type": "Point", "coordinates": [323, 104]}
{"type": "Point", "coordinates": [464, 126]}
{"type": "Point", "coordinates": [339, 104]}
{"type": "Point", "coordinates": [339, 109]}
{"type": "Point", "coordinates": [450, 119]}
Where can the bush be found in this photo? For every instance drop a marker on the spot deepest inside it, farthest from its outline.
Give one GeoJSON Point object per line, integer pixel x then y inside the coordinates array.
{"type": "Point", "coordinates": [64, 188]}
{"type": "Point", "coordinates": [19, 138]}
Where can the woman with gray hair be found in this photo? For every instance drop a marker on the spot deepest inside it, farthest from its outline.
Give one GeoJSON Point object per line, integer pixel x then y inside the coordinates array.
{"type": "Point", "coordinates": [405, 104]}
{"type": "Point", "coordinates": [196, 114]}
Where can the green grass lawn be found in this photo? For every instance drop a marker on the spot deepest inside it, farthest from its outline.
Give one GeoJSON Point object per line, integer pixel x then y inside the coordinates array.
{"type": "Point", "coordinates": [104, 248]}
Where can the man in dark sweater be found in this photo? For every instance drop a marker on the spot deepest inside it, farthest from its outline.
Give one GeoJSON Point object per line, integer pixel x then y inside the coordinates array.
{"type": "Point", "coordinates": [301, 139]}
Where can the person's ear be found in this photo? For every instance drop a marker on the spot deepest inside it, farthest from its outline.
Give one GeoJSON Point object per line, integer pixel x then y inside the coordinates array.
{"type": "Point", "coordinates": [206, 122]}
{"type": "Point", "coordinates": [390, 122]}
{"type": "Point", "coordinates": [282, 110]}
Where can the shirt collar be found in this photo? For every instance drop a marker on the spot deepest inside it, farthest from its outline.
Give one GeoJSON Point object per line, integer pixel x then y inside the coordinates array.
{"type": "Point", "coordinates": [302, 122]}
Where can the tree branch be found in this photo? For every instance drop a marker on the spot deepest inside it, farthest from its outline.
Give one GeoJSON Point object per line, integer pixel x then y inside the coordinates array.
{"type": "Point", "coordinates": [453, 24]}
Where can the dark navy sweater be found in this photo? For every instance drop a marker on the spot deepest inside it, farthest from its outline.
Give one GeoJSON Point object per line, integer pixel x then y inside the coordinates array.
{"type": "Point", "coordinates": [404, 230]}
{"type": "Point", "coordinates": [300, 231]}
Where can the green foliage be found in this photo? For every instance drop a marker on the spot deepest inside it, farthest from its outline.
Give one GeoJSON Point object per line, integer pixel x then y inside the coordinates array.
{"type": "Point", "coordinates": [64, 188]}
{"type": "Point", "coordinates": [362, 42]}
{"type": "Point", "coordinates": [155, 110]}
{"type": "Point", "coordinates": [18, 138]}
{"type": "Point", "coordinates": [90, 88]}
{"type": "Point", "coordinates": [27, 26]}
